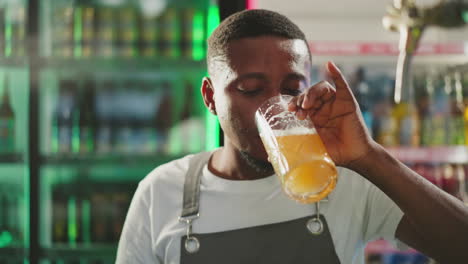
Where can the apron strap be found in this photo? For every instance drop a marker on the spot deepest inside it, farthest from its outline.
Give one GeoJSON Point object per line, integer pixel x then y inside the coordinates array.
{"type": "Point", "coordinates": [192, 197]}
{"type": "Point", "coordinates": [192, 186]}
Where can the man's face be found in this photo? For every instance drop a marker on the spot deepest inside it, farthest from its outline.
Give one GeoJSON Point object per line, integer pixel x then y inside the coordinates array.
{"type": "Point", "coordinates": [254, 70]}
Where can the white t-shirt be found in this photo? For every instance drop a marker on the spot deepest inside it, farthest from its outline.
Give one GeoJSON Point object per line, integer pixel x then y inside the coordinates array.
{"type": "Point", "coordinates": [356, 212]}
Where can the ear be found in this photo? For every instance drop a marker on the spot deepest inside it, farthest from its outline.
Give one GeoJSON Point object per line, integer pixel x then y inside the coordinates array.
{"type": "Point", "coordinates": [207, 91]}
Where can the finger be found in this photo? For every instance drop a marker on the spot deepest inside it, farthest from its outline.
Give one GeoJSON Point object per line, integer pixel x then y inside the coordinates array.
{"type": "Point", "coordinates": [292, 105]}
{"type": "Point", "coordinates": [321, 116]}
{"type": "Point", "coordinates": [342, 88]}
{"type": "Point", "coordinates": [301, 114]}
{"type": "Point", "coordinates": [300, 100]}
{"type": "Point", "coordinates": [317, 94]}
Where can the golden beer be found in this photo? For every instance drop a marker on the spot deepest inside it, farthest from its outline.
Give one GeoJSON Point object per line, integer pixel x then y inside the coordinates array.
{"type": "Point", "coordinates": [301, 161]}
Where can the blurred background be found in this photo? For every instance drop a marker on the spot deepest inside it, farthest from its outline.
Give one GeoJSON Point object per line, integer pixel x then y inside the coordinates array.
{"type": "Point", "coordinates": [94, 94]}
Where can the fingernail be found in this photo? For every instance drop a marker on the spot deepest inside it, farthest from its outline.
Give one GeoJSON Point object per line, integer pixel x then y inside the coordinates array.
{"type": "Point", "coordinates": [303, 105]}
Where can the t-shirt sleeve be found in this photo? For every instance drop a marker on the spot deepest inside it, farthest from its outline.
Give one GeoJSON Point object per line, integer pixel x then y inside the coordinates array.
{"type": "Point", "coordinates": [135, 240]}
{"type": "Point", "coordinates": [381, 217]}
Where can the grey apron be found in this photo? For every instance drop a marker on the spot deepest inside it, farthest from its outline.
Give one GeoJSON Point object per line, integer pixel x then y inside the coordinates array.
{"type": "Point", "coordinates": [300, 241]}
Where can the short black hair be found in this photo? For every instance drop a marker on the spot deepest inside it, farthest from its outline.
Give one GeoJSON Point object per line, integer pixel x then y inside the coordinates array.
{"type": "Point", "coordinates": [251, 23]}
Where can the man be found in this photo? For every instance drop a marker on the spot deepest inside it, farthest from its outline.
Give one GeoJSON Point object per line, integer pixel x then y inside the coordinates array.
{"type": "Point", "coordinates": [243, 215]}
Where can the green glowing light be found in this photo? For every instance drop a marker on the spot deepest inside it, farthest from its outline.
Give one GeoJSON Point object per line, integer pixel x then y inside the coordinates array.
{"type": "Point", "coordinates": [76, 132]}
{"type": "Point", "coordinates": [212, 131]}
{"type": "Point", "coordinates": [77, 33]}
{"type": "Point", "coordinates": [213, 18]}
{"type": "Point", "coordinates": [465, 15]}
{"type": "Point", "coordinates": [212, 123]}
{"type": "Point", "coordinates": [198, 37]}
{"type": "Point", "coordinates": [72, 225]}
{"type": "Point", "coordinates": [5, 239]}
{"type": "Point", "coordinates": [8, 37]}
{"type": "Point", "coordinates": [86, 215]}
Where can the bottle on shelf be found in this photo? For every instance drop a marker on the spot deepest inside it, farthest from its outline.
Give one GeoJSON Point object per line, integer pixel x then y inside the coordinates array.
{"type": "Point", "coordinates": [65, 128]}
{"type": "Point", "coordinates": [460, 127]}
{"type": "Point", "coordinates": [169, 23]}
{"type": "Point", "coordinates": [15, 31]}
{"type": "Point", "coordinates": [88, 17]}
{"type": "Point", "coordinates": [108, 211]}
{"type": "Point", "coordinates": [122, 110]}
{"type": "Point", "coordinates": [7, 121]}
{"type": "Point", "coordinates": [106, 32]}
{"type": "Point", "coordinates": [73, 216]}
{"type": "Point", "coordinates": [120, 201]}
{"type": "Point", "coordinates": [99, 211]}
{"type": "Point", "coordinates": [85, 215]}
{"type": "Point", "coordinates": [406, 117]}
{"type": "Point", "coordinates": [362, 94]}
{"type": "Point", "coordinates": [144, 138]}
{"type": "Point", "coordinates": [104, 112]}
{"type": "Point", "coordinates": [384, 127]}
{"type": "Point", "coordinates": [150, 34]}
{"type": "Point", "coordinates": [62, 31]}
{"type": "Point", "coordinates": [455, 116]}
{"type": "Point", "coordinates": [464, 84]}
{"type": "Point", "coordinates": [87, 118]}
{"type": "Point", "coordinates": [426, 111]}
{"type": "Point", "coordinates": [127, 32]}
{"type": "Point", "coordinates": [59, 214]}
{"type": "Point", "coordinates": [162, 120]}
{"type": "Point", "coordinates": [441, 112]}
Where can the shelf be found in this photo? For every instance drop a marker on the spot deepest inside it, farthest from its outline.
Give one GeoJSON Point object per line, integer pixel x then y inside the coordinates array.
{"type": "Point", "coordinates": [14, 62]}
{"type": "Point", "coordinates": [122, 64]}
{"type": "Point", "coordinates": [11, 158]}
{"type": "Point", "coordinates": [14, 252]}
{"type": "Point", "coordinates": [91, 250]}
{"type": "Point", "coordinates": [443, 154]}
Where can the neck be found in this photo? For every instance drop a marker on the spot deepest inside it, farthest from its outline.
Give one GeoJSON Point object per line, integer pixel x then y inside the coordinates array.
{"type": "Point", "coordinates": [230, 163]}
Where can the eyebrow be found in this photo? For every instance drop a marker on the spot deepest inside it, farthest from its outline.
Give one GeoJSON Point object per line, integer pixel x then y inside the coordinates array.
{"type": "Point", "coordinates": [295, 76]}
{"type": "Point", "coordinates": [263, 77]}
{"type": "Point", "coordinates": [252, 75]}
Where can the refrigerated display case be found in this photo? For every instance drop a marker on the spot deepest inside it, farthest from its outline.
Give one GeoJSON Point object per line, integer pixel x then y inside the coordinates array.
{"type": "Point", "coordinates": [14, 96]}
{"type": "Point", "coordinates": [94, 94]}
{"type": "Point", "coordinates": [14, 180]}
{"type": "Point", "coordinates": [118, 97]}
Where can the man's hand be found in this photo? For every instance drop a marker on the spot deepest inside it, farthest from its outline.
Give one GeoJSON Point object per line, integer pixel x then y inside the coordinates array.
{"type": "Point", "coordinates": [337, 118]}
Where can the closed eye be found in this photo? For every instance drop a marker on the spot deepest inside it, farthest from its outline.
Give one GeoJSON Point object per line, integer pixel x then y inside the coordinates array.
{"type": "Point", "coordinates": [250, 92]}
{"type": "Point", "coordinates": [292, 92]}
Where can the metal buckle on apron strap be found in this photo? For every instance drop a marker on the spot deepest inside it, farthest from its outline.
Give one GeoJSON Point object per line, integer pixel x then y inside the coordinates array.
{"type": "Point", "coordinates": [315, 225]}
{"type": "Point", "coordinates": [192, 245]}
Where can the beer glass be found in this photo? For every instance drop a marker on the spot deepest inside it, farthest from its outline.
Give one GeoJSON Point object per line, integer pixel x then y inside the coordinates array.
{"type": "Point", "coordinates": [295, 150]}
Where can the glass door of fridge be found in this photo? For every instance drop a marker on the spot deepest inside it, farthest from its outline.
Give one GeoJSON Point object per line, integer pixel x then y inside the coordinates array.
{"type": "Point", "coordinates": [14, 97]}
{"type": "Point", "coordinates": [119, 96]}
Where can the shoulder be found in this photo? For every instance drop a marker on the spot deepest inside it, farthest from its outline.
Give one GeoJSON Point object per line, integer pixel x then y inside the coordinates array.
{"type": "Point", "coordinates": [352, 181]}
{"type": "Point", "coordinates": [169, 174]}
{"type": "Point", "coordinates": [351, 187]}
